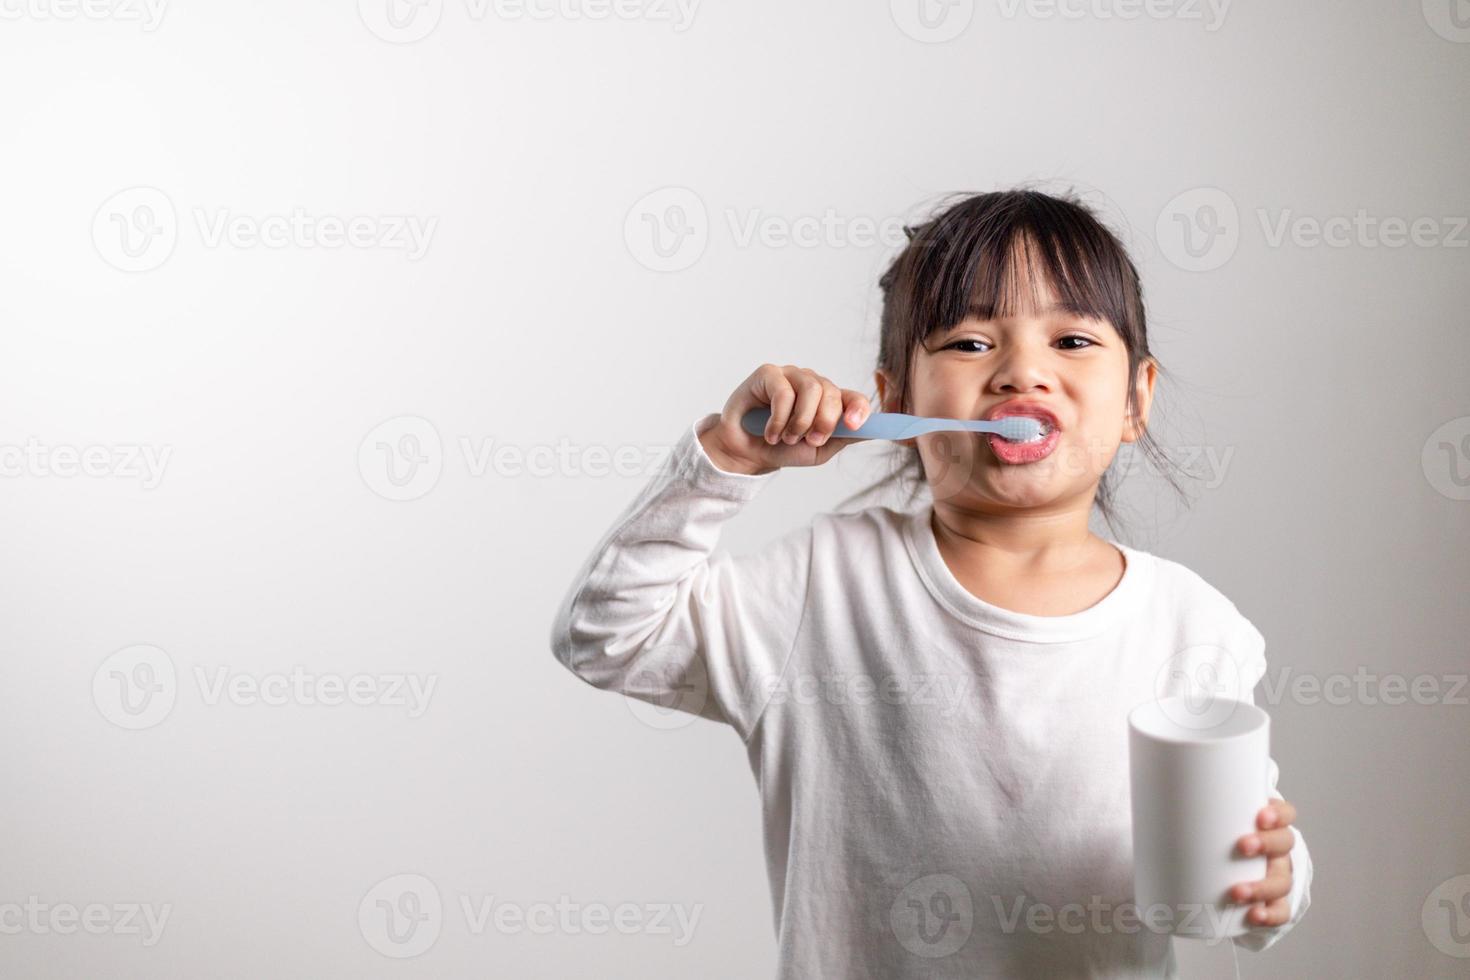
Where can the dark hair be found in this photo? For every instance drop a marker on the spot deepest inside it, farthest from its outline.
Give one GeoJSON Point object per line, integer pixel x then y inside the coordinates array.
{"type": "Point", "coordinates": [962, 256]}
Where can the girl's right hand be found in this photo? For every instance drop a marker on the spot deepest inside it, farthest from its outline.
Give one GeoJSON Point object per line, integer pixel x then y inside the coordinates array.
{"type": "Point", "coordinates": [805, 409]}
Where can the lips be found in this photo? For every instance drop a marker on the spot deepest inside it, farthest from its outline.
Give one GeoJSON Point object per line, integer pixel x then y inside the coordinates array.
{"type": "Point", "coordinates": [1017, 453]}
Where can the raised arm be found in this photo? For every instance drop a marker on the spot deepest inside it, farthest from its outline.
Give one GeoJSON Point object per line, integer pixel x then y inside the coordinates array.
{"type": "Point", "coordinates": [654, 616]}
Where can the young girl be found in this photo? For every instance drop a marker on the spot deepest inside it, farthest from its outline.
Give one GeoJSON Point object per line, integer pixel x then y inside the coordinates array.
{"type": "Point", "coordinates": [934, 699]}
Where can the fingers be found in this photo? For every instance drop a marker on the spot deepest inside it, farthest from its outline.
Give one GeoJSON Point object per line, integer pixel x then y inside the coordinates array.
{"type": "Point", "coordinates": [1276, 884]}
{"type": "Point", "coordinates": [1270, 905]}
{"type": "Point", "coordinates": [1271, 843]}
{"type": "Point", "coordinates": [837, 405]}
{"type": "Point", "coordinates": [855, 408]}
{"type": "Point", "coordinates": [828, 413]}
{"type": "Point", "coordinates": [1277, 813]}
{"type": "Point", "coordinates": [826, 446]}
{"type": "Point", "coordinates": [1270, 914]}
{"type": "Point", "coordinates": [771, 386]}
{"type": "Point", "coordinates": [811, 388]}
{"type": "Point", "coordinates": [804, 405]}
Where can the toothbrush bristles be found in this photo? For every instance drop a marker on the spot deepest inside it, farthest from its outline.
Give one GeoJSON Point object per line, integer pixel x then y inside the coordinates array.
{"type": "Point", "coordinates": [1020, 428]}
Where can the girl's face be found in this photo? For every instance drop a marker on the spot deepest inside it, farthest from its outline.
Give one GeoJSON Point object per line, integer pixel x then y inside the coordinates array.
{"type": "Point", "coordinates": [1047, 362]}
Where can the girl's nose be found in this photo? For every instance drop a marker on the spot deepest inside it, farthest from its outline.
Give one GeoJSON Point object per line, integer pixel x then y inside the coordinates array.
{"type": "Point", "coordinates": [1020, 371]}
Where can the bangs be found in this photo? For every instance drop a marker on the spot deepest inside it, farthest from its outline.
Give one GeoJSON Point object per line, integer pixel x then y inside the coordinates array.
{"type": "Point", "coordinates": [1005, 263]}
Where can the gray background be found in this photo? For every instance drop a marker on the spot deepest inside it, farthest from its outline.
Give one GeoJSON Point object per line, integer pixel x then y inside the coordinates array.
{"type": "Point", "coordinates": [1329, 381]}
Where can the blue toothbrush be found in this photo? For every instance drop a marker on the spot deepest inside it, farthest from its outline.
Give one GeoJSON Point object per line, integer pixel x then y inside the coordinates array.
{"type": "Point", "coordinates": [896, 425]}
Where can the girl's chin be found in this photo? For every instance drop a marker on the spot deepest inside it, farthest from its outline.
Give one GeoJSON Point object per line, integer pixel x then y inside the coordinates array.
{"type": "Point", "coordinates": [1008, 490]}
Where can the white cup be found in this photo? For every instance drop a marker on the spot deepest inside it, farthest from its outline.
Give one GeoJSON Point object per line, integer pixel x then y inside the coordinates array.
{"type": "Point", "coordinates": [1198, 779]}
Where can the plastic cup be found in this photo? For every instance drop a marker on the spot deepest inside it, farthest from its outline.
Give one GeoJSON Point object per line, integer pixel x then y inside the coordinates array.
{"type": "Point", "coordinates": [1198, 778]}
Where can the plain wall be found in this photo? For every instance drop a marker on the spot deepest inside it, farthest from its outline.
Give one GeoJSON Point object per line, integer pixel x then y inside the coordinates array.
{"type": "Point", "coordinates": [272, 385]}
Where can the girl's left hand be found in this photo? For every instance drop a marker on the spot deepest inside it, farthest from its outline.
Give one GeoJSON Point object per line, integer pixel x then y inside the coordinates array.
{"type": "Point", "coordinates": [1274, 840]}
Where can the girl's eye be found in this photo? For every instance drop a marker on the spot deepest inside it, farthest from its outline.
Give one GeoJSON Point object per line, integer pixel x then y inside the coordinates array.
{"type": "Point", "coordinates": [1069, 342]}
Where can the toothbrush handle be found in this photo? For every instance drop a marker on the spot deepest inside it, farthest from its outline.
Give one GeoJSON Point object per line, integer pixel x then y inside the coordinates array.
{"type": "Point", "coordinates": [879, 425]}
{"type": "Point", "coordinates": [899, 426]}
{"type": "Point", "coordinates": [754, 422]}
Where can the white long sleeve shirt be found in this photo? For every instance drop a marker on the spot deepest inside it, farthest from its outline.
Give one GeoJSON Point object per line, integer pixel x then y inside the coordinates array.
{"type": "Point", "coordinates": [944, 782]}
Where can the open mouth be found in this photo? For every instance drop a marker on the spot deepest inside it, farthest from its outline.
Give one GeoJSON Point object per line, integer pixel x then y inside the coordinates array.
{"type": "Point", "coordinates": [1041, 441]}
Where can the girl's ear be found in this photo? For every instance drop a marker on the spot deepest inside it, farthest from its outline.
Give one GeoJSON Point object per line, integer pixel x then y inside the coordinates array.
{"type": "Point", "coordinates": [1143, 394]}
{"type": "Point", "coordinates": [885, 393]}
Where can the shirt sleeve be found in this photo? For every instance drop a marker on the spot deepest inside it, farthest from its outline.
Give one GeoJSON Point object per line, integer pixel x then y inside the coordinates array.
{"type": "Point", "coordinates": [1299, 899]}
{"type": "Point", "coordinates": [654, 616]}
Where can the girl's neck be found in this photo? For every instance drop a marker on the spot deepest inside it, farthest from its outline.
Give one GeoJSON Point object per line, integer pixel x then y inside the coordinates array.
{"type": "Point", "coordinates": [1050, 535]}
{"type": "Point", "coordinates": [1043, 564]}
